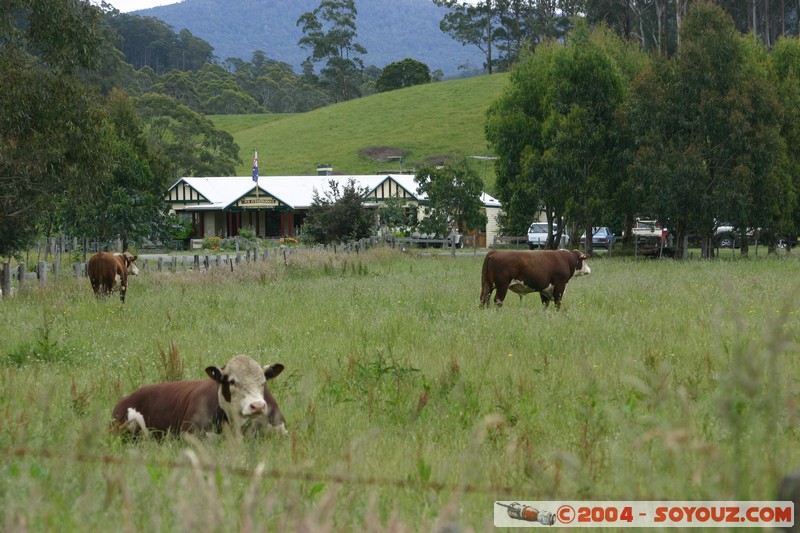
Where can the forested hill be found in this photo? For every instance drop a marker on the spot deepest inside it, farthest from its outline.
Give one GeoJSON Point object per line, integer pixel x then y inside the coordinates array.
{"type": "Point", "coordinates": [390, 30]}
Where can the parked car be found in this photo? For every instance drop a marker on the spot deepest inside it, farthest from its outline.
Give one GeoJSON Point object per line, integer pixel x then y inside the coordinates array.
{"type": "Point", "coordinates": [727, 236]}
{"type": "Point", "coordinates": [602, 237]}
{"type": "Point", "coordinates": [537, 236]}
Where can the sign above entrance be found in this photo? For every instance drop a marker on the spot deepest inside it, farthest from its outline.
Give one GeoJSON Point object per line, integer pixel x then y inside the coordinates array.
{"type": "Point", "coordinates": [261, 201]}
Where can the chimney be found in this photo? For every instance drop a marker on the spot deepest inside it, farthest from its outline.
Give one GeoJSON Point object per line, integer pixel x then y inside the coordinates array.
{"type": "Point", "coordinates": [324, 170]}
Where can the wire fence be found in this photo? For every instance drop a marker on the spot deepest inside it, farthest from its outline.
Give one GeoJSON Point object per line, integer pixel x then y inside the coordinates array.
{"type": "Point", "coordinates": [273, 473]}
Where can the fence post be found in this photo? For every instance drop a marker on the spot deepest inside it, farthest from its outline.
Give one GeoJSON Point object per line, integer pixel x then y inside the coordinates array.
{"type": "Point", "coordinates": [41, 272]}
{"type": "Point", "coordinates": [238, 258]}
{"type": "Point", "coordinates": [206, 262]}
{"type": "Point", "coordinates": [197, 262]}
{"type": "Point", "coordinates": [218, 260]}
{"type": "Point", "coordinates": [76, 269]}
{"type": "Point", "coordinates": [5, 281]}
{"type": "Point", "coordinates": [160, 264]}
{"type": "Point", "coordinates": [21, 274]}
{"type": "Point", "coordinates": [174, 261]}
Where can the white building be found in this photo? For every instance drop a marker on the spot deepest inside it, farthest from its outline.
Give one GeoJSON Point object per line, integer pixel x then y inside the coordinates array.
{"type": "Point", "coordinates": [276, 206]}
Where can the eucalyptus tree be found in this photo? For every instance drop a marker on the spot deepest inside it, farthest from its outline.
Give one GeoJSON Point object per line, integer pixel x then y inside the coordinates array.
{"type": "Point", "coordinates": [130, 203]}
{"type": "Point", "coordinates": [785, 62]}
{"type": "Point", "coordinates": [553, 131]}
{"type": "Point", "coordinates": [193, 146]}
{"type": "Point", "coordinates": [53, 133]}
{"type": "Point", "coordinates": [709, 140]}
{"type": "Point", "coordinates": [330, 35]}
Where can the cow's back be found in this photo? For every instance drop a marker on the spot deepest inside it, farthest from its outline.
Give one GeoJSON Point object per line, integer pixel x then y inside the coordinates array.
{"type": "Point", "coordinates": [537, 268]}
{"type": "Point", "coordinates": [103, 269]}
{"type": "Point", "coordinates": [173, 407]}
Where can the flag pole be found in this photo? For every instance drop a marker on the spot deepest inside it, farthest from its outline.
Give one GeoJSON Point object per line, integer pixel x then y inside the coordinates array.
{"type": "Point", "coordinates": [255, 170]}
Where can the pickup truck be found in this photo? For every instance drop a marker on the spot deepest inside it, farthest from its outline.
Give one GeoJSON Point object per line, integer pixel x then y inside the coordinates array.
{"type": "Point", "coordinates": [537, 236]}
{"type": "Point", "coordinates": [647, 229]}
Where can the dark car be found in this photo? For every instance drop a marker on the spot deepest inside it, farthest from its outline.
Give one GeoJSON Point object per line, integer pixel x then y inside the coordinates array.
{"type": "Point", "coordinates": [601, 238]}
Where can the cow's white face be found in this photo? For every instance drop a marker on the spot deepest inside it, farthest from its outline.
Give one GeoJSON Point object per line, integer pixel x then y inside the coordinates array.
{"type": "Point", "coordinates": [583, 269]}
{"type": "Point", "coordinates": [130, 264]}
{"type": "Point", "coordinates": [133, 270]}
{"type": "Point", "coordinates": [241, 389]}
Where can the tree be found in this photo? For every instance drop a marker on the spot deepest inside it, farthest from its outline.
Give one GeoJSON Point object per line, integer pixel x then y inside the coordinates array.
{"type": "Point", "coordinates": [552, 131]}
{"type": "Point", "coordinates": [189, 140]}
{"type": "Point", "coordinates": [130, 205]}
{"type": "Point", "coordinates": [338, 215]}
{"type": "Point", "coordinates": [454, 197]}
{"type": "Point", "coordinates": [785, 61]}
{"type": "Point", "coordinates": [587, 89]}
{"type": "Point", "coordinates": [53, 134]}
{"type": "Point", "coordinates": [471, 24]}
{"type": "Point", "coordinates": [403, 73]}
{"type": "Point", "coordinates": [709, 139]}
{"type": "Point", "coordinates": [337, 46]}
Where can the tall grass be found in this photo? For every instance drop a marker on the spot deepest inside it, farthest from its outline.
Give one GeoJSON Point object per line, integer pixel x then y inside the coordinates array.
{"type": "Point", "coordinates": [408, 407]}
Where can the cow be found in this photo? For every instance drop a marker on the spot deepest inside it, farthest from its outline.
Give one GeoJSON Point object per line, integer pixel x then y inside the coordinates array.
{"type": "Point", "coordinates": [108, 271]}
{"type": "Point", "coordinates": [235, 394]}
{"type": "Point", "coordinates": [544, 271]}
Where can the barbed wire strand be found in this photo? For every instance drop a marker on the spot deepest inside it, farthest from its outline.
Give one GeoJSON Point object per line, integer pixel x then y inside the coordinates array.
{"type": "Point", "coordinates": [270, 473]}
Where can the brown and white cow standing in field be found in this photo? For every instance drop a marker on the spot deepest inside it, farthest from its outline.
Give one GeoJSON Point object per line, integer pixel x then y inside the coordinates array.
{"type": "Point", "coordinates": [544, 271]}
{"type": "Point", "coordinates": [236, 394]}
{"type": "Point", "coordinates": [108, 271]}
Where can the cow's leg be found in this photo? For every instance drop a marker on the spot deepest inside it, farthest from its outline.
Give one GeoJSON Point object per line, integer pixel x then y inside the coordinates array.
{"type": "Point", "coordinates": [122, 289]}
{"type": "Point", "coordinates": [547, 295]}
{"type": "Point", "coordinates": [500, 295]}
{"type": "Point", "coordinates": [558, 293]}
{"type": "Point", "coordinates": [97, 287]}
{"type": "Point", "coordinates": [486, 293]}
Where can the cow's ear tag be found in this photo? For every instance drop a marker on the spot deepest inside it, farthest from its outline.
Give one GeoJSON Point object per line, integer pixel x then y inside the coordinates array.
{"type": "Point", "coordinates": [270, 371]}
{"type": "Point", "coordinates": [214, 373]}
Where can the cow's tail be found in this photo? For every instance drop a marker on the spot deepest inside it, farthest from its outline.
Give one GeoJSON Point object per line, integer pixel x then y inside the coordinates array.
{"type": "Point", "coordinates": [486, 283]}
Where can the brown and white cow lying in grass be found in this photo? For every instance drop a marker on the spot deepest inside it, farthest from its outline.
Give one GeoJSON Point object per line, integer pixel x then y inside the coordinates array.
{"type": "Point", "coordinates": [236, 394]}
{"type": "Point", "coordinates": [108, 271]}
{"type": "Point", "coordinates": [544, 271]}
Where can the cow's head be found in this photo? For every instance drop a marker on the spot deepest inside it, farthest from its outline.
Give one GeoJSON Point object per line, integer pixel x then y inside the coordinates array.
{"type": "Point", "coordinates": [130, 264]}
{"type": "Point", "coordinates": [243, 394]}
{"type": "Point", "coordinates": [582, 268]}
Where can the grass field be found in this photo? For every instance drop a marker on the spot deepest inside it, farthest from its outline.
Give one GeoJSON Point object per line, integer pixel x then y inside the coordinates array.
{"type": "Point", "coordinates": [408, 406]}
{"type": "Point", "coordinates": [425, 122]}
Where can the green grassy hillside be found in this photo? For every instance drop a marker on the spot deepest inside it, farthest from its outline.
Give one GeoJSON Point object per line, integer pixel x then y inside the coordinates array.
{"type": "Point", "coordinates": [425, 123]}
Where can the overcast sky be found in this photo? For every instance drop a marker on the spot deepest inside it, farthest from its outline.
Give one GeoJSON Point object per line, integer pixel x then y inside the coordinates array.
{"type": "Point", "coordinates": [132, 5]}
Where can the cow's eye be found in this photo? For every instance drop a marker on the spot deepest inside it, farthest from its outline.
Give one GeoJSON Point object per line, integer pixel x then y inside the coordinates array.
{"type": "Point", "coordinates": [231, 382]}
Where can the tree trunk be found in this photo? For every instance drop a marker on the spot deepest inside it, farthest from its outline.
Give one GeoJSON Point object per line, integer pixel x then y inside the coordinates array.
{"type": "Point", "coordinates": [489, 35]}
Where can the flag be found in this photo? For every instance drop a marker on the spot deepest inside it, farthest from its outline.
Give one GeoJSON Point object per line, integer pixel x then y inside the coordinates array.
{"type": "Point", "coordinates": [255, 167]}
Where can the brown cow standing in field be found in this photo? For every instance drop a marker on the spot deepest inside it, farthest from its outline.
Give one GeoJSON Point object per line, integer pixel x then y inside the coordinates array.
{"type": "Point", "coordinates": [544, 271]}
{"type": "Point", "coordinates": [108, 271]}
{"type": "Point", "coordinates": [236, 394]}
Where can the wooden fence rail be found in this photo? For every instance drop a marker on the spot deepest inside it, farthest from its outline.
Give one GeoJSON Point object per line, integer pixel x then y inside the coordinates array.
{"type": "Point", "coordinates": [516, 242]}
{"type": "Point", "coordinates": [17, 277]}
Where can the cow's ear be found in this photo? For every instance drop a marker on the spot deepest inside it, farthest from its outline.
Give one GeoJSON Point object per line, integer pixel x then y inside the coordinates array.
{"type": "Point", "coordinates": [271, 371]}
{"type": "Point", "coordinates": [214, 373]}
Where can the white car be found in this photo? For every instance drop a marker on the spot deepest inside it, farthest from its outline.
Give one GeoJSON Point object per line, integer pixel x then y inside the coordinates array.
{"type": "Point", "coordinates": [537, 236]}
